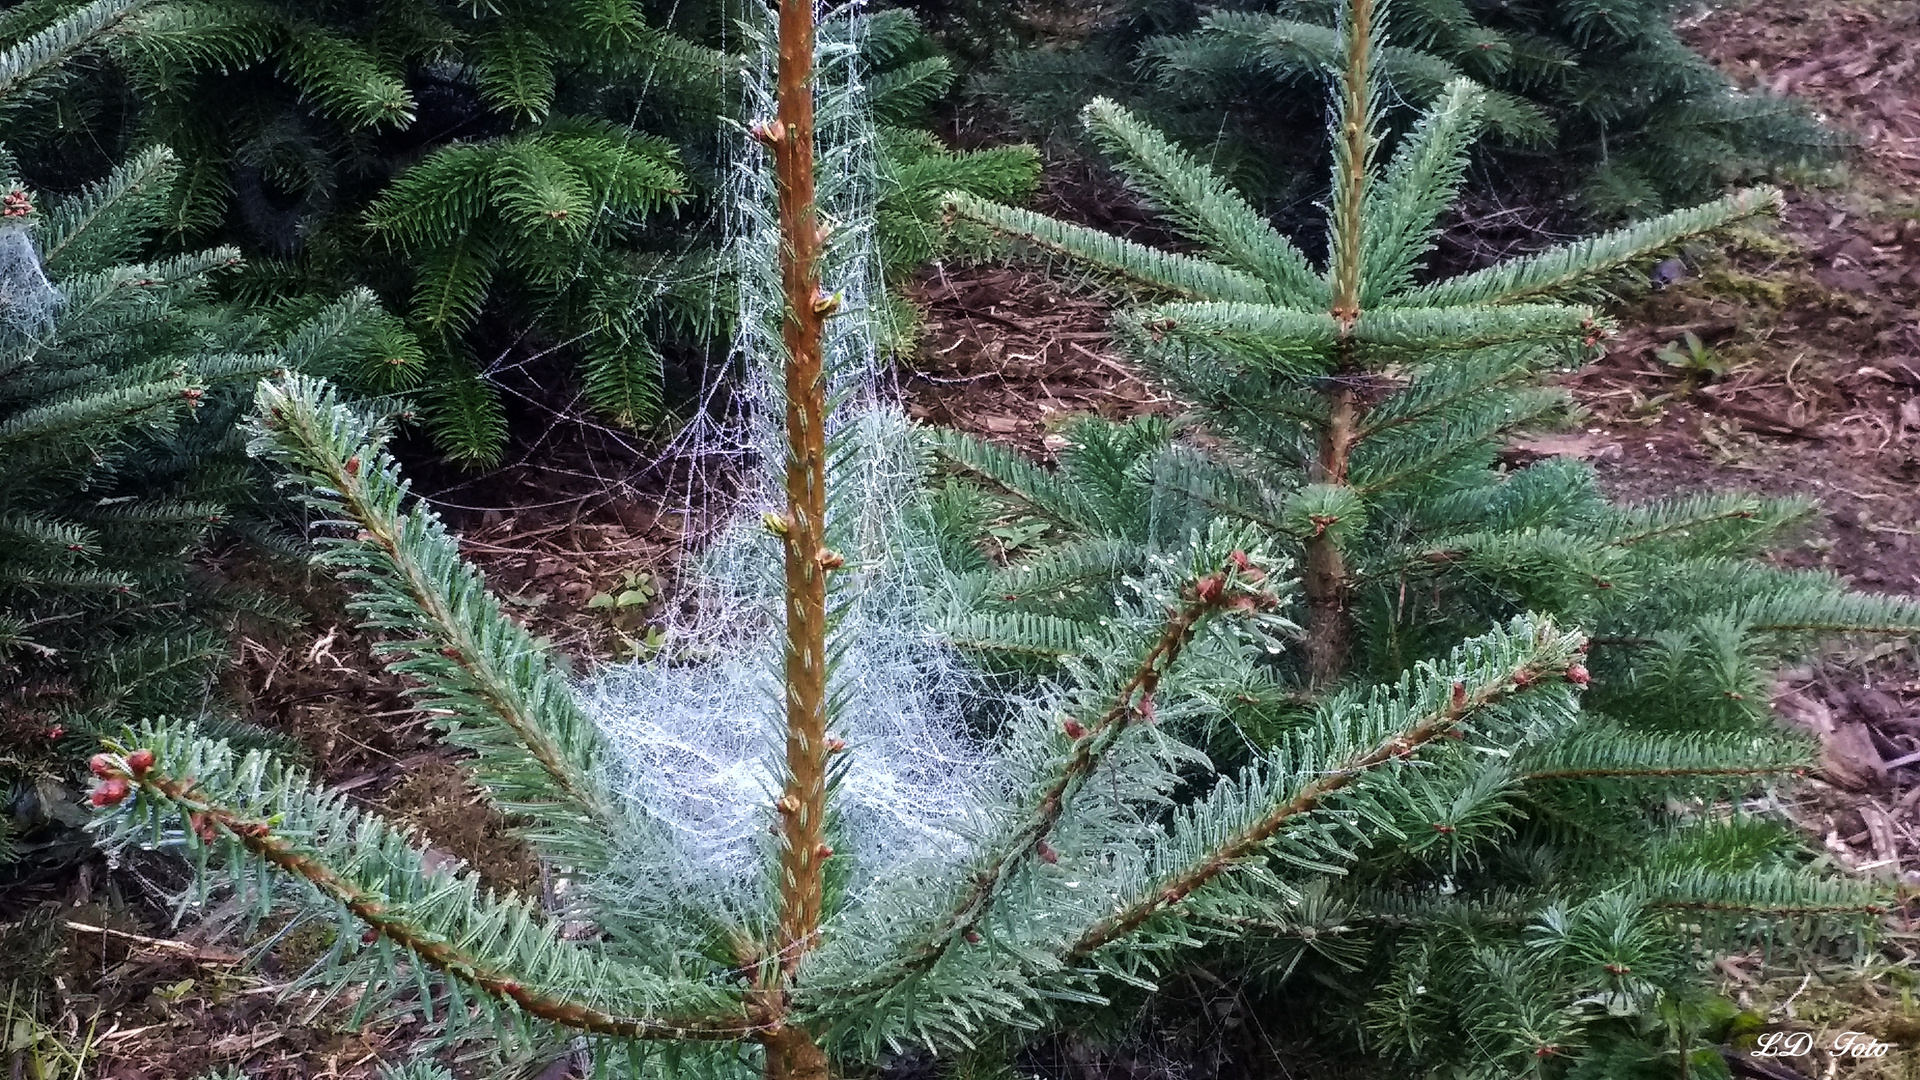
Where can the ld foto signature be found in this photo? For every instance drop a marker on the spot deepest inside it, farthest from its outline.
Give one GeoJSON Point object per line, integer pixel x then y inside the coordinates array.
{"type": "Point", "coordinates": [1857, 1044]}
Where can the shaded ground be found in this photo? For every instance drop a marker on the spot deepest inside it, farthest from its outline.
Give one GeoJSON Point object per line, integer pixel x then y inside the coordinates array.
{"type": "Point", "coordinates": [1007, 355]}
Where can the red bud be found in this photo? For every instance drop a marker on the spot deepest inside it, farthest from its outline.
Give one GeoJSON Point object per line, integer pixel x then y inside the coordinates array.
{"type": "Point", "coordinates": [823, 852]}
{"type": "Point", "coordinates": [1074, 729]}
{"type": "Point", "coordinates": [353, 465]}
{"type": "Point", "coordinates": [1046, 852]}
{"type": "Point", "coordinates": [103, 766]}
{"type": "Point", "coordinates": [835, 746]}
{"type": "Point", "coordinates": [1459, 696]}
{"type": "Point", "coordinates": [1146, 708]}
{"type": "Point", "coordinates": [973, 937]}
{"type": "Point", "coordinates": [110, 792]}
{"type": "Point", "coordinates": [1209, 588]}
{"type": "Point", "coordinates": [1240, 560]}
{"type": "Point", "coordinates": [1577, 675]}
{"type": "Point", "coordinates": [139, 762]}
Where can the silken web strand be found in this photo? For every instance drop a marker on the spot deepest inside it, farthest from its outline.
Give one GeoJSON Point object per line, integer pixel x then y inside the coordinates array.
{"type": "Point", "coordinates": [693, 729]}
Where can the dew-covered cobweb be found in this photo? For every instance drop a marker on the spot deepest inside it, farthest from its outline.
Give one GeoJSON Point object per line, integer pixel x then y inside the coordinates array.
{"type": "Point", "coordinates": [696, 731]}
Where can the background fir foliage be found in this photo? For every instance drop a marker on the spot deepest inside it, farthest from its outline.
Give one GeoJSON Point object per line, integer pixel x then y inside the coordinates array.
{"type": "Point", "coordinates": [489, 171]}
{"type": "Point", "coordinates": [119, 463]}
{"type": "Point", "coordinates": [1598, 90]}
{"type": "Point", "coordinates": [518, 180]}
{"type": "Point", "coordinates": [1536, 899]}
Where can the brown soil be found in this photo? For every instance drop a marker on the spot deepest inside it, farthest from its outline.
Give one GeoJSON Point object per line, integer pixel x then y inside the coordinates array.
{"type": "Point", "coordinates": [1007, 355]}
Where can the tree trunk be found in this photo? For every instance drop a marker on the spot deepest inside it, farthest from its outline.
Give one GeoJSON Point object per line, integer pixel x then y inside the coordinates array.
{"type": "Point", "coordinates": [792, 1053]}
{"type": "Point", "coordinates": [1329, 592]}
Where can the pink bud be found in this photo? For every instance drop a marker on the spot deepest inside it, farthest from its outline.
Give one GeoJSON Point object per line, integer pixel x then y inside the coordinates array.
{"type": "Point", "coordinates": [110, 792]}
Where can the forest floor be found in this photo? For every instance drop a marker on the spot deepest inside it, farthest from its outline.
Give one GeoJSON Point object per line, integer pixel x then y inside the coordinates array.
{"type": "Point", "coordinates": [1807, 381]}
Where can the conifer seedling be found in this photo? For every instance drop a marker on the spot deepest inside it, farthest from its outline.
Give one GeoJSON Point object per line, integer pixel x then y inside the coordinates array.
{"type": "Point", "coordinates": [1538, 909]}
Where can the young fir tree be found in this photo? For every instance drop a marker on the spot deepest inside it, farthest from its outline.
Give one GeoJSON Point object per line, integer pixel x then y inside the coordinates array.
{"type": "Point", "coordinates": [1077, 879]}
{"type": "Point", "coordinates": [1547, 900]}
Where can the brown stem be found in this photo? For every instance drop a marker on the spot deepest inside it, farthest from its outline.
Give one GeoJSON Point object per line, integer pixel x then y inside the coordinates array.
{"type": "Point", "coordinates": [803, 824]}
{"type": "Point", "coordinates": [258, 837]}
{"type": "Point", "coordinates": [792, 1053]}
{"type": "Point", "coordinates": [1327, 585]}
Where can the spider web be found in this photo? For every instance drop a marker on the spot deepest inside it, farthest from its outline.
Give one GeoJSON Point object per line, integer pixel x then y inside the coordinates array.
{"type": "Point", "coordinates": [27, 298]}
{"type": "Point", "coordinates": [696, 731]}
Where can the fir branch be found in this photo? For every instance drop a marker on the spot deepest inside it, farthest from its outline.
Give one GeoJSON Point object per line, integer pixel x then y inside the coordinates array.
{"type": "Point", "coordinates": [1463, 327]}
{"type": "Point", "coordinates": [1844, 613]}
{"type": "Point", "coordinates": [1262, 337]}
{"type": "Point", "coordinates": [1770, 891]}
{"type": "Point", "coordinates": [28, 65]}
{"type": "Point", "coordinates": [537, 753]}
{"type": "Point", "coordinates": [140, 402]}
{"type": "Point", "coordinates": [1018, 632]}
{"type": "Point", "coordinates": [346, 79]}
{"type": "Point", "coordinates": [1420, 184]}
{"type": "Point", "coordinates": [1424, 714]}
{"type": "Point", "coordinates": [1044, 493]}
{"type": "Point", "coordinates": [1231, 587]}
{"type": "Point", "coordinates": [908, 91]}
{"type": "Point", "coordinates": [99, 226]}
{"type": "Point", "coordinates": [1203, 206]}
{"type": "Point", "coordinates": [515, 72]}
{"type": "Point", "coordinates": [1609, 751]}
{"type": "Point", "coordinates": [1148, 268]}
{"type": "Point", "coordinates": [1692, 517]}
{"type": "Point", "coordinates": [254, 807]}
{"type": "Point", "coordinates": [1564, 268]}
{"type": "Point", "coordinates": [1404, 454]}
{"type": "Point", "coordinates": [1452, 381]}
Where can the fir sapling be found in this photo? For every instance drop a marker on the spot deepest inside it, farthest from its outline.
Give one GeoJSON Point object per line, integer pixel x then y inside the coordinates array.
{"type": "Point", "coordinates": [1356, 413]}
